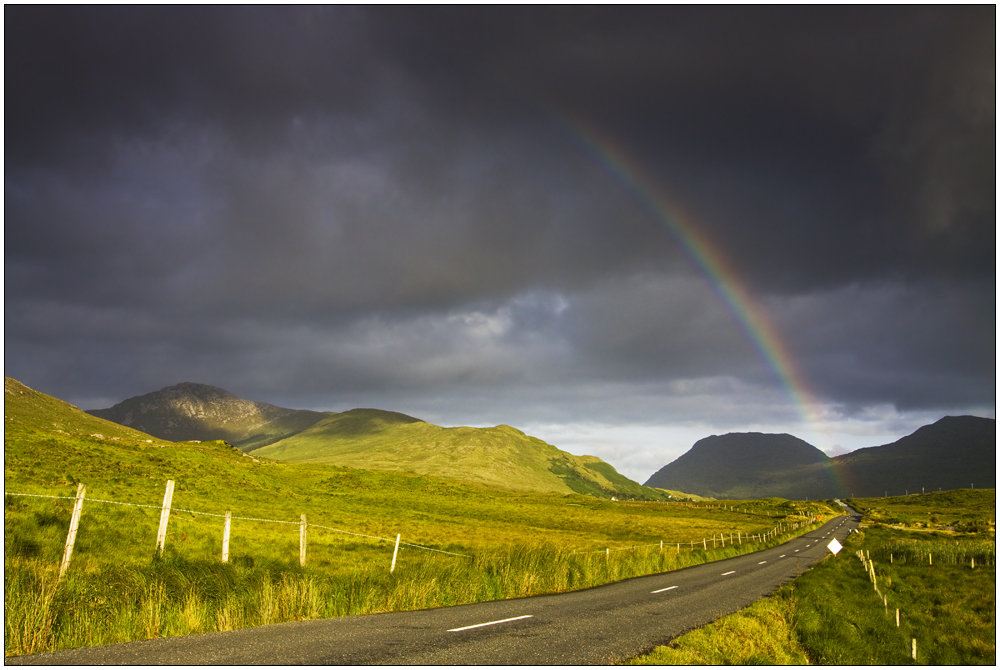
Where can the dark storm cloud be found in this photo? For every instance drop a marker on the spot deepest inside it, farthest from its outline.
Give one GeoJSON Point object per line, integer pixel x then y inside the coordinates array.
{"type": "Point", "coordinates": [322, 203]}
{"type": "Point", "coordinates": [834, 133]}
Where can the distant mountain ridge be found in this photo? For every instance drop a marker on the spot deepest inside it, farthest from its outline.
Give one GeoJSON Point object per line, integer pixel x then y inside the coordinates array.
{"type": "Point", "coordinates": [372, 439]}
{"type": "Point", "coordinates": [954, 452]}
{"type": "Point", "coordinates": [190, 411]}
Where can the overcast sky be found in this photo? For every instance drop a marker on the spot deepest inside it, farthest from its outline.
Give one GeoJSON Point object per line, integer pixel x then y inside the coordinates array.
{"type": "Point", "coordinates": [405, 208]}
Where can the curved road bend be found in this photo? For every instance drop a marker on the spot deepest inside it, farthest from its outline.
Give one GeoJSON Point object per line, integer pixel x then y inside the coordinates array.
{"type": "Point", "coordinates": [600, 625]}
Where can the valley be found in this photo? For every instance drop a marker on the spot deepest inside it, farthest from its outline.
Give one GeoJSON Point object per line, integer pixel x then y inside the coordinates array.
{"type": "Point", "coordinates": [509, 543]}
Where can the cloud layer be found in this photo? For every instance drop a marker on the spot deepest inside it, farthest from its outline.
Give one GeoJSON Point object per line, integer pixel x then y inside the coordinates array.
{"type": "Point", "coordinates": [330, 207]}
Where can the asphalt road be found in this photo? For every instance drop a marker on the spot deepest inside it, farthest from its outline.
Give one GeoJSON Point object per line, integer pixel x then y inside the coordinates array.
{"type": "Point", "coordinates": [601, 625]}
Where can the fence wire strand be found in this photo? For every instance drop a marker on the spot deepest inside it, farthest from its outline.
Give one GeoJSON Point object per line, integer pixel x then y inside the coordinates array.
{"type": "Point", "coordinates": [238, 518]}
{"type": "Point", "coordinates": [338, 530]}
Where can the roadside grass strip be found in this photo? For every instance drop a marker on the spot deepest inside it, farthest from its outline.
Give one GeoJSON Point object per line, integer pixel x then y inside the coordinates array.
{"type": "Point", "coordinates": [762, 634]}
{"type": "Point", "coordinates": [489, 623]}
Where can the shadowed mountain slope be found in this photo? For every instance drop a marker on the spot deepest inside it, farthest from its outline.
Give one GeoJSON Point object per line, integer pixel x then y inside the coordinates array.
{"type": "Point", "coordinates": [717, 465]}
{"type": "Point", "coordinates": [954, 452]}
{"type": "Point", "coordinates": [191, 411]}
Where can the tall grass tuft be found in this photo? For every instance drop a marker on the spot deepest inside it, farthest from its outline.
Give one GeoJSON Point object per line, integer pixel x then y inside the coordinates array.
{"type": "Point", "coordinates": [29, 593]}
{"type": "Point", "coordinates": [954, 552]}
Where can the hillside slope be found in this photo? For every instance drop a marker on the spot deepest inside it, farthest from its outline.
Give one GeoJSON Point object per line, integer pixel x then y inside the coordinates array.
{"type": "Point", "coordinates": [501, 456]}
{"type": "Point", "coordinates": [27, 411]}
{"type": "Point", "coordinates": [954, 452]}
{"type": "Point", "coordinates": [191, 411]}
{"type": "Point", "coordinates": [749, 462]}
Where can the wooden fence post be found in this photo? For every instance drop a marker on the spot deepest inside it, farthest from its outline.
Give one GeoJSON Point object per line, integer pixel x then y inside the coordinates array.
{"type": "Point", "coordinates": [704, 544]}
{"type": "Point", "coordinates": [302, 541]}
{"type": "Point", "coordinates": [914, 653]}
{"type": "Point", "coordinates": [225, 537]}
{"type": "Point", "coordinates": [74, 523]}
{"type": "Point", "coordinates": [161, 533]}
{"type": "Point", "coordinates": [394, 552]}
{"type": "Point", "coordinates": [897, 617]}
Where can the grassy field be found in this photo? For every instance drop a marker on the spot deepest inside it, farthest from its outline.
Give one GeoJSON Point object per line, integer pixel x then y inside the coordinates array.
{"type": "Point", "coordinates": [117, 588]}
{"type": "Point", "coordinates": [833, 614]}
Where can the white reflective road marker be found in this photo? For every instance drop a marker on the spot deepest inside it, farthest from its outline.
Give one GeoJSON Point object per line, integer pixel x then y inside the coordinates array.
{"type": "Point", "coordinates": [731, 572]}
{"type": "Point", "coordinates": [489, 623]}
{"type": "Point", "coordinates": [662, 590]}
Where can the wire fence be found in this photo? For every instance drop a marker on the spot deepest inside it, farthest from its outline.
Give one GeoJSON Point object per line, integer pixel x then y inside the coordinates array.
{"type": "Point", "coordinates": [237, 518]}
{"type": "Point", "coordinates": [167, 509]}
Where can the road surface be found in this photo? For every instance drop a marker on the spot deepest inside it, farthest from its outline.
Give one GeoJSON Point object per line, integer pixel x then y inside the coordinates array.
{"type": "Point", "coordinates": [604, 624]}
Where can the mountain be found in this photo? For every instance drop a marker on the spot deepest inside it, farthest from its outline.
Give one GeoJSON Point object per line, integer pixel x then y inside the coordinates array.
{"type": "Point", "coordinates": [954, 452]}
{"type": "Point", "coordinates": [190, 411]}
{"type": "Point", "coordinates": [372, 439]}
{"type": "Point", "coordinates": [717, 465]}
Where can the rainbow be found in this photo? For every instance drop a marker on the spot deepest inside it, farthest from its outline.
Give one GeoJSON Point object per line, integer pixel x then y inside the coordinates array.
{"type": "Point", "coordinates": [717, 270]}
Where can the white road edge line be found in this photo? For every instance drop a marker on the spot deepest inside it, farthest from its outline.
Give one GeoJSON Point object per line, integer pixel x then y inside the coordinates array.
{"type": "Point", "coordinates": [489, 623]}
{"type": "Point", "coordinates": [662, 590]}
{"type": "Point", "coordinates": [728, 573]}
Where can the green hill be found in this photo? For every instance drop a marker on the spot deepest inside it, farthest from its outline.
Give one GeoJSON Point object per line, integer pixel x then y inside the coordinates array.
{"type": "Point", "coordinates": [501, 457]}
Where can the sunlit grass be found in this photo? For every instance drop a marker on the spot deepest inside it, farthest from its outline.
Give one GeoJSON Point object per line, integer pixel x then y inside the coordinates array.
{"type": "Point", "coordinates": [832, 614]}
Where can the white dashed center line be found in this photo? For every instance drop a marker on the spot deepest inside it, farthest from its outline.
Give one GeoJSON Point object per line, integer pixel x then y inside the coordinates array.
{"type": "Point", "coordinates": [662, 590]}
{"type": "Point", "coordinates": [782, 556]}
{"type": "Point", "coordinates": [796, 550]}
{"type": "Point", "coordinates": [762, 563]}
{"type": "Point", "coordinates": [489, 623]}
{"type": "Point", "coordinates": [731, 572]}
